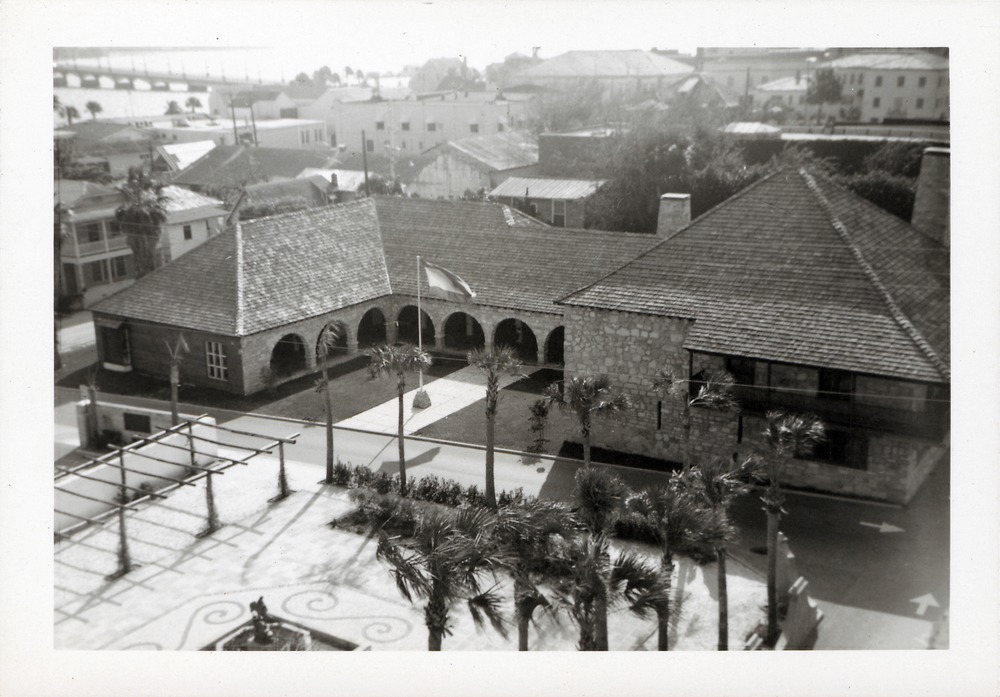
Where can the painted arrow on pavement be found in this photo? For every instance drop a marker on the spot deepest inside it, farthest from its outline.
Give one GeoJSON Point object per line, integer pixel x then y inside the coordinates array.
{"type": "Point", "coordinates": [923, 602]}
{"type": "Point", "coordinates": [883, 527]}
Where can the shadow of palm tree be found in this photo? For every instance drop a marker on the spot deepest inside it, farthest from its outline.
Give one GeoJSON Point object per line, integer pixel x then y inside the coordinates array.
{"type": "Point", "coordinates": [392, 466]}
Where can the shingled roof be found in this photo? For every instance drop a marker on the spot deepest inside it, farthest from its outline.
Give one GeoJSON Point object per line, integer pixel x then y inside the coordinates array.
{"type": "Point", "coordinates": [284, 268]}
{"type": "Point", "coordinates": [265, 273]}
{"type": "Point", "coordinates": [797, 269]}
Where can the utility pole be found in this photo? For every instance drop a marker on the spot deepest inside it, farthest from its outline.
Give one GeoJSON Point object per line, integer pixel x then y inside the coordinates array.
{"type": "Point", "coordinates": [364, 160]}
{"type": "Point", "coordinates": [232, 110]}
{"type": "Point", "coordinates": [253, 119]}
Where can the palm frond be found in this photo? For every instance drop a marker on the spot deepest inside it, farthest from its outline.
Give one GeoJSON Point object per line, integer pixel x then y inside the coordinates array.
{"type": "Point", "coordinates": [598, 494]}
{"type": "Point", "coordinates": [641, 585]}
{"type": "Point", "coordinates": [497, 360]}
{"type": "Point", "coordinates": [486, 607]}
{"type": "Point", "coordinates": [397, 360]}
{"type": "Point", "coordinates": [406, 571]}
{"type": "Point", "coordinates": [793, 434]}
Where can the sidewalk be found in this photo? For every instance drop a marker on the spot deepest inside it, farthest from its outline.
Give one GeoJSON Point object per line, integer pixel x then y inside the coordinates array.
{"type": "Point", "coordinates": [448, 395]}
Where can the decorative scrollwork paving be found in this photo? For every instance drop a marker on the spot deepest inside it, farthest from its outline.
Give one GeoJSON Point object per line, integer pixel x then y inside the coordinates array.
{"type": "Point", "coordinates": [219, 612]}
{"type": "Point", "coordinates": [310, 604]}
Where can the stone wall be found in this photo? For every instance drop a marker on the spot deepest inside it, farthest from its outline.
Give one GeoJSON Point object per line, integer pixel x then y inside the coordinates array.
{"type": "Point", "coordinates": [891, 394]}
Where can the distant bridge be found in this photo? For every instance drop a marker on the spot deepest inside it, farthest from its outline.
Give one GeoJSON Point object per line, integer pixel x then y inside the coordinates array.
{"type": "Point", "coordinates": [119, 75]}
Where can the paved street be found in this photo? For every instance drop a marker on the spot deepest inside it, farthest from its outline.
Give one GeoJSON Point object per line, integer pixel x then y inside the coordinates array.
{"type": "Point", "coordinates": [863, 579]}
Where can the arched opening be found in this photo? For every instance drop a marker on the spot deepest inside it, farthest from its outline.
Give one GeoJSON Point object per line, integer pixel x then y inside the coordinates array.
{"type": "Point", "coordinates": [288, 356]}
{"type": "Point", "coordinates": [337, 342]}
{"type": "Point", "coordinates": [554, 346]}
{"type": "Point", "coordinates": [371, 328]}
{"type": "Point", "coordinates": [518, 335]}
{"type": "Point", "coordinates": [407, 327]}
{"type": "Point", "coordinates": [462, 332]}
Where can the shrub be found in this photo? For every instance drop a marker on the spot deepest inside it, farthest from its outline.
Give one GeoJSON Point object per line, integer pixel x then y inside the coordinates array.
{"type": "Point", "coordinates": [341, 474]}
{"type": "Point", "coordinates": [513, 498]}
{"type": "Point", "coordinates": [388, 512]}
{"type": "Point", "coordinates": [474, 497]}
{"type": "Point", "coordinates": [383, 483]}
{"type": "Point", "coordinates": [363, 477]}
{"type": "Point", "coordinates": [428, 489]}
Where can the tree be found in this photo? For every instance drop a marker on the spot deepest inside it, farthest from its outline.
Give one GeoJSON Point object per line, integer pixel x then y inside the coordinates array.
{"type": "Point", "coordinates": [173, 108]}
{"type": "Point", "coordinates": [714, 392]}
{"type": "Point", "coordinates": [328, 340]}
{"type": "Point", "coordinates": [140, 216]}
{"type": "Point", "coordinates": [398, 361]}
{"type": "Point", "coordinates": [719, 483]}
{"type": "Point", "coordinates": [94, 108]}
{"type": "Point", "coordinates": [348, 73]}
{"type": "Point", "coordinates": [587, 396]}
{"type": "Point", "coordinates": [493, 362]}
{"type": "Point", "coordinates": [892, 193]}
{"type": "Point", "coordinates": [677, 520]}
{"type": "Point", "coordinates": [381, 186]}
{"type": "Point", "coordinates": [788, 435]}
{"type": "Point", "coordinates": [269, 208]}
{"type": "Point", "coordinates": [193, 103]}
{"type": "Point", "coordinates": [359, 74]}
{"type": "Point", "coordinates": [302, 79]}
{"type": "Point", "coordinates": [57, 106]}
{"type": "Point", "coordinates": [335, 79]}
{"type": "Point", "coordinates": [824, 88]}
{"type": "Point", "coordinates": [71, 113]}
{"type": "Point", "coordinates": [445, 562]}
{"type": "Point", "coordinates": [528, 533]}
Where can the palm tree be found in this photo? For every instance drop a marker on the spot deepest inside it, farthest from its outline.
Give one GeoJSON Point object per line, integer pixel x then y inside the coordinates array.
{"type": "Point", "coordinates": [348, 73]}
{"type": "Point", "coordinates": [788, 435]}
{"type": "Point", "coordinates": [94, 108]}
{"type": "Point", "coordinates": [526, 533]}
{"type": "Point", "coordinates": [176, 351]}
{"type": "Point", "coordinates": [328, 339]}
{"type": "Point", "coordinates": [57, 106]}
{"type": "Point", "coordinates": [445, 562]}
{"type": "Point", "coordinates": [720, 482]}
{"type": "Point", "coordinates": [598, 495]}
{"type": "Point", "coordinates": [676, 520]}
{"type": "Point", "coordinates": [494, 362]}
{"type": "Point", "coordinates": [71, 113]}
{"type": "Point", "coordinates": [714, 392]}
{"type": "Point", "coordinates": [141, 216]}
{"type": "Point", "coordinates": [600, 584]}
{"type": "Point", "coordinates": [335, 79]}
{"type": "Point", "coordinates": [587, 396]}
{"type": "Point", "coordinates": [193, 103]}
{"type": "Point", "coordinates": [398, 361]}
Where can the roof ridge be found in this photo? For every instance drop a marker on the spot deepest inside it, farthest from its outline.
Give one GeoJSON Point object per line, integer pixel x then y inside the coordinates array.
{"type": "Point", "coordinates": [873, 277]}
{"type": "Point", "coordinates": [239, 280]}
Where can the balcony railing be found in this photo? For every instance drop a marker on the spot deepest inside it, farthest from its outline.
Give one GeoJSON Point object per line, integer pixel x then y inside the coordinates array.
{"type": "Point", "coordinates": [847, 412]}
{"type": "Point", "coordinates": [88, 248]}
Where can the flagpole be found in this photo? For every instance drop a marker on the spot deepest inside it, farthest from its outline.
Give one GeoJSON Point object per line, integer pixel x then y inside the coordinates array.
{"type": "Point", "coordinates": [421, 400]}
{"type": "Point", "coordinates": [420, 334]}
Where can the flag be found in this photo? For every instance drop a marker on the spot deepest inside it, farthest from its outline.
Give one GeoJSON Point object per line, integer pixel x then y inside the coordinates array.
{"type": "Point", "coordinates": [446, 285]}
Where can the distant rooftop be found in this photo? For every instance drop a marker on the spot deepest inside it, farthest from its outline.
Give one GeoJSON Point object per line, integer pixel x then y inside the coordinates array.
{"type": "Point", "coordinates": [597, 64]}
{"type": "Point", "coordinates": [566, 189]}
{"type": "Point", "coordinates": [500, 151]}
{"type": "Point", "coordinates": [226, 125]}
{"type": "Point", "coordinates": [784, 84]}
{"type": "Point", "coordinates": [890, 61]}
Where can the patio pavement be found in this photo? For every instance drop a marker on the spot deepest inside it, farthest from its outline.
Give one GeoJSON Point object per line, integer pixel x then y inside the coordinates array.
{"type": "Point", "coordinates": [188, 591]}
{"type": "Point", "coordinates": [448, 395]}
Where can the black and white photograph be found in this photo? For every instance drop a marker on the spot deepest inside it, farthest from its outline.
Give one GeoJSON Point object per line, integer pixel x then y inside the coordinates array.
{"type": "Point", "coordinates": [498, 327]}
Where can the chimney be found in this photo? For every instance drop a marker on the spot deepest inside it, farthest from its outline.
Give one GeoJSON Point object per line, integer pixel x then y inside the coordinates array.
{"type": "Point", "coordinates": [675, 213]}
{"type": "Point", "coordinates": [932, 206]}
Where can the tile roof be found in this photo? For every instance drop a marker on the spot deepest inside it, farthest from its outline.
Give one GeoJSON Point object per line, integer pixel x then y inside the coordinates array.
{"type": "Point", "coordinates": [265, 273]}
{"type": "Point", "coordinates": [518, 267]}
{"type": "Point", "coordinates": [589, 64]}
{"type": "Point", "coordinates": [547, 188]}
{"type": "Point", "coordinates": [799, 270]}
{"type": "Point", "coordinates": [889, 61]}
{"type": "Point", "coordinates": [230, 165]}
{"type": "Point", "coordinates": [499, 151]}
{"type": "Point", "coordinates": [310, 262]}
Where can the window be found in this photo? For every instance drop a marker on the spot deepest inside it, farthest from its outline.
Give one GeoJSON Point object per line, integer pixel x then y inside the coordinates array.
{"type": "Point", "coordinates": [559, 213]}
{"type": "Point", "coordinates": [851, 81]}
{"type": "Point", "coordinates": [876, 103]}
{"type": "Point", "coordinates": [835, 385]}
{"type": "Point", "coordinates": [114, 228]}
{"type": "Point", "coordinates": [403, 145]}
{"type": "Point", "coordinates": [95, 273]}
{"type": "Point", "coordinates": [405, 125]}
{"type": "Point", "coordinates": [844, 448]}
{"type": "Point", "coordinates": [380, 125]}
{"type": "Point", "coordinates": [900, 81]}
{"type": "Point", "coordinates": [370, 145]}
{"type": "Point", "coordinates": [114, 345]}
{"type": "Point", "coordinates": [743, 370]}
{"type": "Point", "coordinates": [920, 103]}
{"type": "Point", "coordinates": [659, 415]}
{"type": "Point", "coordinates": [215, 357]}
{"type": "Point", "coordinates": [878, 80]}
{"type": "Point", "coordinates": [500, 128]}
{"type": "Point", "coordinates": [474, 128]}
{"type": "Point", "coordinates": [861, 78]}
{"type": "Point", "coordinates": [187, 232]}
{"type": "Point", "coordinates": [431, 127]}
{"type": "Point", "coordinates": [922, 82]}
{"type": "Point", "coordinates": [91, 232]}
{"type": "Point", "coordinates": [140, 423]}
{"type": "Point", "coordinates": [121, 267]}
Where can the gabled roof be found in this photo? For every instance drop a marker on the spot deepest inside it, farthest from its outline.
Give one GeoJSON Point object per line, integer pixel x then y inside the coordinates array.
{"type": "Point", "coordinates": [890, 61]}
{"type": "Point", "coordinates": [179, 200]}
{"type": "Point", "coordinates": [74, 192]}
{"type": "Point", "coordinates": [272, 271]}
{"type": "Point", "coordinates": [181, 155]}
{"type": "Point", "coordinates": [500, 151]}
{"type": "Point", "coordinates": [231, 165]}
{"type": "Point", "coordinates": [590, 64]}
{"type": "Point", "coordinates": [567, 189]}
{"type": "Point", "coordinates": [265, 273]}
{"type": "Point", "coordinates": [797, 269]}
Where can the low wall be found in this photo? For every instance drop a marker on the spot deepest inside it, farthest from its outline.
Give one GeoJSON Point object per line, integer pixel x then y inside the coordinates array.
{"type": "Point", "coordinates": [104, 477]}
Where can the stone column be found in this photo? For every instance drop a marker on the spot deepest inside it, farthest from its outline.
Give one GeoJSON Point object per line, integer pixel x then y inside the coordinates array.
{"type": "Point", "coordinates": [391, 331]}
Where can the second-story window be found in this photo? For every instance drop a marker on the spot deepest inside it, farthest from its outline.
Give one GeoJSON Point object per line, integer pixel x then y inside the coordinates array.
{"type": "Point", "coordinates": [900, 81]}
{"type": "Point", "coordinates": [431, 126]}
{"type": "Point", "coordinates": [878, 80]}
{"type": "Point", "coordinates": [922, 82]}
{"type": "Point", "coordinates": [474, 128]}
{"type": "Point", "coordinates": [380, 125]}
{"type": "Point", "coordinates": [876, 103]}
{"type": "Point", "coordinates": [187, 232]}
{"type": "Point", "coordinates": [405, 125]}
{"type": "Point", "coordinates": [91, 232]}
